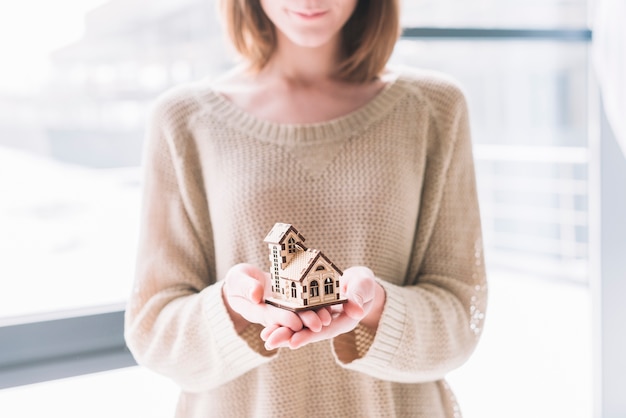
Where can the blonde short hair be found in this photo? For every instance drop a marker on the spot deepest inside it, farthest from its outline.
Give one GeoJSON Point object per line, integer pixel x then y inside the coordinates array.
{"type": "Point", "coordinates": [369, 36]}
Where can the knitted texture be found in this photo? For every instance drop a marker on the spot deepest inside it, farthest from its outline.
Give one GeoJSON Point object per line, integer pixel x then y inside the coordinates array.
{"type": "Point", "coordinates": [389, 186]}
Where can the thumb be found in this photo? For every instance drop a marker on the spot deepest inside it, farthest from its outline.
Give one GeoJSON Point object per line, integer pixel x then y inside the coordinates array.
{"type": "Point", "coordinates": [245, 281]}
{"type": "Point", "coordinates": [359, 286]}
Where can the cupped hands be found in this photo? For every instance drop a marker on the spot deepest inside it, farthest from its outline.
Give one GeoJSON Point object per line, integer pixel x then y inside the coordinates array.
{"type": "Point", "coordinates": [246, 287]}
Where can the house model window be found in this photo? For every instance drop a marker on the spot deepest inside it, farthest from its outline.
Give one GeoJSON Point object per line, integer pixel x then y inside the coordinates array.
{"type": "Point", "coordinates": [295, 268]}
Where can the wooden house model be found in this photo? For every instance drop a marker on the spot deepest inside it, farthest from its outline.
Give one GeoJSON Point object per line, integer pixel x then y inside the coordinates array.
{"type": "Point", "coordinates": [301, 278]}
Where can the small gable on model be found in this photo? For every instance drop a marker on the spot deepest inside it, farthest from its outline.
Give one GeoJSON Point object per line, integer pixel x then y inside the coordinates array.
{"type": "Point", "coordinates": [301, 278]}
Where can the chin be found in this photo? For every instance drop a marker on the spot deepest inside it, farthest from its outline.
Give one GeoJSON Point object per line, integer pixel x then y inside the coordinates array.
{"type": "Point", "coordinates": [310, 41]}
{"type": "Point", "coordinates": [311, 45]}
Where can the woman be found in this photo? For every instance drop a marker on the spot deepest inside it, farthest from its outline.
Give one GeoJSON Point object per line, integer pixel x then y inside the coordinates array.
{"type": "Point", "coordinates": [372, 165]}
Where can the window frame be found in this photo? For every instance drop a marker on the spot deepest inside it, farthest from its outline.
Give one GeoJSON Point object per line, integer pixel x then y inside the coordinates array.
{"type": "Point", "coordinates": [41, 347]}
{"type": "Point", "coordinates": [607, 279]}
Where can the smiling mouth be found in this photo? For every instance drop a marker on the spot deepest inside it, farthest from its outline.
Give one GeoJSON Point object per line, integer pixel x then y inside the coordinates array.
{"type": "Point", "coordinates": [309, 14]}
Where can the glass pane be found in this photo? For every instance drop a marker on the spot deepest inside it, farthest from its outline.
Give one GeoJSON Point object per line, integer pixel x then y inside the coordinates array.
{"type": "Point", "coordinates": [129, 392]}
{"type": "Point", "coordinates": [73, 101]}
{"type": "Point", "coordinates": [528, 107]}
{"type": "Point", "coordinates": [495, 13]}
{"type": "Point", "coordinates": [534, 328]}
{"type": "Point", "coordinates": [528, 111]}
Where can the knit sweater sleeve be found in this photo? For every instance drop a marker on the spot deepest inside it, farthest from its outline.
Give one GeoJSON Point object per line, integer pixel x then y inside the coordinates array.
{"type": "Point", "coordinates": [432, 323]}
{"type": "Point", "coordinates": [176, 322]}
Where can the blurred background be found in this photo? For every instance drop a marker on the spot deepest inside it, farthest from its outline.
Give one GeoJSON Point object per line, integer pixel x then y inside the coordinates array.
{"type": "Point", "coordinates": [76, 82]}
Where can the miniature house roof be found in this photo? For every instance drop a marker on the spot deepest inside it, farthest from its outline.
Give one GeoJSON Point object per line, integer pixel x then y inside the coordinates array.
{"type": "Point", "coordinates": [304, 261]}
{"type": "Point", "coordinates": [279, 232]}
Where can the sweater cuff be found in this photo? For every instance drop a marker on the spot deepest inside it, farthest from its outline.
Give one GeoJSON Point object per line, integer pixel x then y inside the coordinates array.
{"type": "Point", "coordinates": [238, 353]}
{"type": "Point", "coordinates": [388, 336]}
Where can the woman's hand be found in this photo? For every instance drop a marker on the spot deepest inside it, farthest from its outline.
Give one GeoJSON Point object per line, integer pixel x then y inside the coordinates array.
{"type": "Point", "coordinates": [244, 291]}
{"type": "Point", "coordinates": [366, 299]}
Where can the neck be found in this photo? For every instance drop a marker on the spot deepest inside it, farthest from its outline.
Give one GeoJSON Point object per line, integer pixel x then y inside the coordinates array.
{"type": "Point", "coordinates": [303, 65]}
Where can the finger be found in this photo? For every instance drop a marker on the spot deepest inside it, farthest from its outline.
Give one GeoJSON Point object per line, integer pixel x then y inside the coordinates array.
{"type": "Point", "coordinates": [359, 280]}
{"type": "Point", "coordinates": [360, 291]}
{"type": "Point", "coordinates": [340, 325]}
{"type": "Point", "coordinates": [325, 316]}
{"type": "Point", "coordinates": [311, 320]}
{"type": "Point", "coordinates": [263, 278]}
{"type": "Point", "coordinates": [278, 338]}
{"type": "Point", "coordinates": [354, 275]}
{"type": "Point", "coordinates": [354, 310]}
{"type": "Point", "coordinates": [274, 315]}
{"type": "Point", "coordinates": [245, 281]}
{"type": "Point", "coordinates": [304, 337]}
{"type": "Point", "coordinates": [267, 331]}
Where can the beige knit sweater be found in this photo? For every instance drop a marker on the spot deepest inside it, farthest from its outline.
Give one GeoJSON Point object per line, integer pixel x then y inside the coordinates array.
{"type": "Point", "coordinates": [390, 186]}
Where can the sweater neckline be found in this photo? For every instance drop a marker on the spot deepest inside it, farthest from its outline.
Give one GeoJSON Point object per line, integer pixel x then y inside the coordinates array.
{"type": "Point", "coordinates": [310, 133]}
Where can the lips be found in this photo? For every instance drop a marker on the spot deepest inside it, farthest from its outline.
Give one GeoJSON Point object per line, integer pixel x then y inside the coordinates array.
{"type": "Point", "coordinates": [309, 14]}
